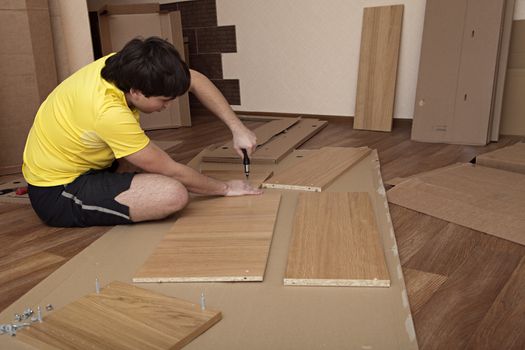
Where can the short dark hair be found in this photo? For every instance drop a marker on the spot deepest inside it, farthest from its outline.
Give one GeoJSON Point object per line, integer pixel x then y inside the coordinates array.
{"type": "Point", "coordinates": [151, 65]}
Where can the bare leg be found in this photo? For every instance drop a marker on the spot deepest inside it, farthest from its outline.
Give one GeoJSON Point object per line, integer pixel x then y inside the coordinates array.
{"type": "Point", "coordinates": [153, 197]}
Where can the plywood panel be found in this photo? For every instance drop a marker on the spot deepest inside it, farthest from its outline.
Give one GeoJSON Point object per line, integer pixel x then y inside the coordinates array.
{"type": "Point", "coordinates": [318, 170]}
{"type": "Point", "coordinates": [276, 148]}
{"type": "Point", "coordinates": [378, 60]}
{"type": "Point", "coordinates": [335, 242]}
{"type": "Point", "coordinates": [484, 199]}
{"type": "Point", "coordinates": [216, 239]}
{"type": "Point", "coordinates": [121, 316]}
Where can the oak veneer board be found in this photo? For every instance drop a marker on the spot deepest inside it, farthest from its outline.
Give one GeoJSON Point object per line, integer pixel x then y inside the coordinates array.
{"type": "Point", "coordinates": [335, 242]}
{"type": "Point", "coordinates": [481, 198]}
{"type": "Point", "coordinates": [317, 170]}
{"type": "Point", "coordinates": [121, 316]}
{"type": "Point", "coordinates": [287, 317]}
{"type": "Point", "coordinates": [511, 158]}
{"type": "Point", "coordinates": [277, 144]}
{"type": "Point", "coordinates": [378, 61]}
{"type": "Point", "coordinates": [216, 240]}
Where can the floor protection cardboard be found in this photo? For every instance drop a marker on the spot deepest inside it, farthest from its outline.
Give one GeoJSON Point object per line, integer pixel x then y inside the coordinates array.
{"type": "Point", "coordinates": [482, 198]}
{"type": "Point", "coordinates": [511, 158]}
{"type": "Point", "coordinates": [256, 315]}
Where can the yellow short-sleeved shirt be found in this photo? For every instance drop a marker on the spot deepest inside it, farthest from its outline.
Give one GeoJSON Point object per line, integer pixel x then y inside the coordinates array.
{"type": "Point", "coordinates": [85, 123]}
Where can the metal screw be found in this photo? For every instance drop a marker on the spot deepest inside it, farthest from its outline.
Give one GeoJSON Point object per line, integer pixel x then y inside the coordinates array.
{"type": "Point", "coordinates": [49, 307]}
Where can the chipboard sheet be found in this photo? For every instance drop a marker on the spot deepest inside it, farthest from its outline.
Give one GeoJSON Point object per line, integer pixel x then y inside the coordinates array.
{"type": "Point", "coordinates": [121, 317]}
{"type": "Point", "coordinates": [318, 169]}
{"type": "Point", "coordinates": [256, 316]}
{"type": "Point", "coordinates": [335, 242]}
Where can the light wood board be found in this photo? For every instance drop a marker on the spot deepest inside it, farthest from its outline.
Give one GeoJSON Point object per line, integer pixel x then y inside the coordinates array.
{"type": "Point", "coordinates": [255, 179]}
{"type": "Point", "coordinates": [335, 242]}
{"type": "Point", "coordinates": [288, 317]}
{"type": "Point", "coordinates": [481, 198]}
{"type": "Point", "coordinates": [317, 170]}
{"type": "Point", "coordinates": [121, 316]}
{"type": "Point", "coordinates": [378, 60]}
{"type": "Point", "coordinates": [216, 239]}
{"type": "Point", "coordinates": [276, 148]}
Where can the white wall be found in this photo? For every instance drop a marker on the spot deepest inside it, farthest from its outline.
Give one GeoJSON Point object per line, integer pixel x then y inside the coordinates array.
{"type": "Point", "coordinates": [302, 56]}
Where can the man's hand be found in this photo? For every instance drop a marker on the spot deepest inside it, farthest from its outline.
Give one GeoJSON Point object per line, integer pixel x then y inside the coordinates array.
{"type": "Point", "coordinates": [240, 188]}
{"type": "Point", "coordinates": [244, 138]}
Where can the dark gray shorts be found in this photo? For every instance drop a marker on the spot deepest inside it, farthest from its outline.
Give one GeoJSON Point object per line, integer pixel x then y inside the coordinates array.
{"type": "Point", "coordinates": [87, 201]}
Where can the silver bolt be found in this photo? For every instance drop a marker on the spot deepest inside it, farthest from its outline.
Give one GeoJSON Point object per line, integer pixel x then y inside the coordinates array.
{"type": "Point", "coordinates": [203, 302]}
{"type": "Point", "coordinates": [39, 314]}
{"type": "Point", "coordinates": [49, 307]}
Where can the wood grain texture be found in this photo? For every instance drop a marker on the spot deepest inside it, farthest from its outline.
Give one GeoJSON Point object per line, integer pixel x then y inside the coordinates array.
{"type": "Point", "coordinates": [256, 178]}
{"type": "Point", "coordinates": [502, 327]}
{"type": "Point", "coordinates": [421, 286]}
{"type": "Point", "coordinates": [121, 316]}
{"type": "Point", "coordinates": [216, 239]}
{"type": "Point", "coordinates": [275, 149]}
{"type": "Point", "coordinates": [378, 60]}
{"type": "Point", "coordinates": [485, 199]}
{"type": "Point", "coordinates": [335, 242]}
{"type": "Point", "coordinates": [317, 170]}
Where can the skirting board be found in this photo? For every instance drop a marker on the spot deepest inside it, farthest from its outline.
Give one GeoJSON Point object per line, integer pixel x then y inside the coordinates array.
{"type": "Point", "coordinates": [288, 317]}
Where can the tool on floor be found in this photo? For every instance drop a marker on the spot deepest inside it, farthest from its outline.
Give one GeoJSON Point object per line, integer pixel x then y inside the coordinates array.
{"type": "Point", "coordinates": [246, 163]}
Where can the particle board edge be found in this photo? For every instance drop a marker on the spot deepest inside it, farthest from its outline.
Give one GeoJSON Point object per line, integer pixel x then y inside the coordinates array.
{"type": "Point", "coordinates": [336, 282]}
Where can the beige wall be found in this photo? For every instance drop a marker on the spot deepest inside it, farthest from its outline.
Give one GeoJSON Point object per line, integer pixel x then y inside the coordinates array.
{"type": "Point", "coordinates": [301, 56]}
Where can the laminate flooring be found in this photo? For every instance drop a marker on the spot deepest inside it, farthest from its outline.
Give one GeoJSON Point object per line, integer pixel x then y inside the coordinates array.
{"type": "Point", "coordinates": [465, 287]}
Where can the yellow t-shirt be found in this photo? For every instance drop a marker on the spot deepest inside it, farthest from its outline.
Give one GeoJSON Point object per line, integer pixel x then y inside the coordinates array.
{"type": "Point", "coordinates": [85, 123]}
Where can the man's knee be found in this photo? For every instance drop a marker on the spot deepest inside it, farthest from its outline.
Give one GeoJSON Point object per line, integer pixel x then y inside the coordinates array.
{"type": "Point", "coordinates": [177, 196]}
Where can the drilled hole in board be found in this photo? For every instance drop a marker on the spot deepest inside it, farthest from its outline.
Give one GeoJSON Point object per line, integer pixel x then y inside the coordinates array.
{"type": "Point", "coordinates": [224, 147]}
{"type": "Point", "coordinates": [299, 156]}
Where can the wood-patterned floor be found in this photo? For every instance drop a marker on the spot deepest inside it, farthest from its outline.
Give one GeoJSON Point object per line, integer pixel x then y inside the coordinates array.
{"type": "Point", "coordinates": [466, 288]}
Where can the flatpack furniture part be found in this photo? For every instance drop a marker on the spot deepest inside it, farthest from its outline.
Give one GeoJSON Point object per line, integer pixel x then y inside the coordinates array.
{"type": "Point", "coordinates": [120, 23]}
{"type": "Point", "coordinates": [28, 74]}
{"type": "Point", "coordinates": [378, 62]}
{"type": "Point", "coordinates": [257, 316]}
{"type": "Point", "coordinates": [512, 121]}
{"type": "Point", "coordinates": [318, 170]}
{"type": "Point", "coordinates": [256, 178]}
{"type": "Point", "coordinates": [335, 242]}
{"type": "Point", "coordinates": [121, 316]}
{"type": "Point", "coordinates": [511, 158]}
{"type": "Point", "coordinates": [481, 198]}
{"type": "Point", "coordinates": [457, 81]}
{"type": "Point", "coordinates": [223, 239]}
{"type": "Point", "coordinates": [279, 141]}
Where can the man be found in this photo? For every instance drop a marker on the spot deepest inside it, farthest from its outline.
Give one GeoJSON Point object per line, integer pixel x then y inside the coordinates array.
{"type": "Point", "coordinates": [91, 119]}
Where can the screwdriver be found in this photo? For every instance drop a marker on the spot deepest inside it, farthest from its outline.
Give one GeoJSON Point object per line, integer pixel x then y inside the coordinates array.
{"type": "Point", "coordinates": [246, 163]}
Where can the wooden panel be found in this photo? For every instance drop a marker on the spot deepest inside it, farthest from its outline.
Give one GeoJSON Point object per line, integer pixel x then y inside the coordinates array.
{"type": "Point", "coordinates": [379, 55]}
{"type": "Point", "coordinates": [318, 170]}
{"type": "Point", "coordinates": [256, 177]}
{"type": "Point", "coordinates": [121, 316]}
{"type": "Point", "coordinates": [278, 147]}
{"type": "Point", "coordinates": [264, 133]}
{"type": "Point", "coordinates": [484, 199]}
{"type": "Point", "coordinates": [335, 242]}
{"type": "Point", "coordinates": [217, 239]}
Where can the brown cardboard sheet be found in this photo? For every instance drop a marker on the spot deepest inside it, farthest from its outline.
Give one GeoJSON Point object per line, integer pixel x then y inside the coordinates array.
{"type": "Point", "coordinates": [511, 158]}
{"type": "Point", "coordinates": [265, 315]}
{"type": "Point", "coordinates": [484, 199]}
{"type": "Point", "coordinates": [121, 317]}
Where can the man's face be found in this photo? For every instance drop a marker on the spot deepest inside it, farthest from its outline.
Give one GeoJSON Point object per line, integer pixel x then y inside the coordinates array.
{"type": "Point", "coordinates": [149, 104]}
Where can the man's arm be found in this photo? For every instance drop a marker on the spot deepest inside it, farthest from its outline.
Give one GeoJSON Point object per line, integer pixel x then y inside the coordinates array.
{"type": "Point", "coordinates": [154, 160]}
{"type": "Point", "coordinates": [213, 99]}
